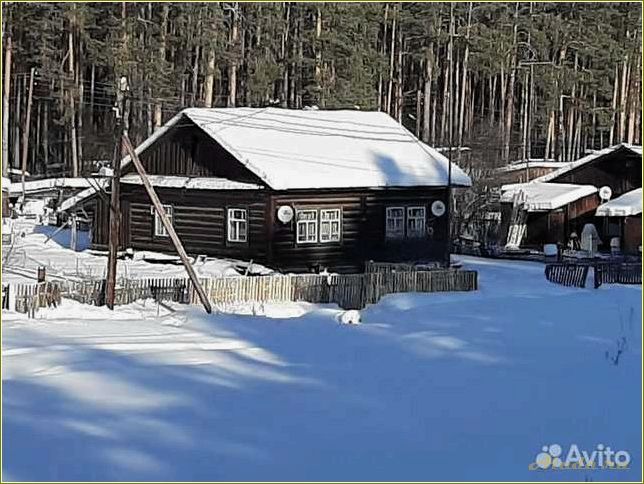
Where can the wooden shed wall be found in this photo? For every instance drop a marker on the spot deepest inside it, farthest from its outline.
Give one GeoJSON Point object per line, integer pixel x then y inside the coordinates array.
{"type": "Point", "coordinates": [632, 234]}
{"type": "Point", "coordinates": [620, 170]}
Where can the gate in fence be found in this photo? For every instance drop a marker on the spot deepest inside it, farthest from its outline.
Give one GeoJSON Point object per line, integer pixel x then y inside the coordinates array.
{"type": "Point", "coordinates": [617, 273]}
{"type": "Point", "coordinates": [571, 274]}
{"type": "Point", "coordinates": [567, 274]}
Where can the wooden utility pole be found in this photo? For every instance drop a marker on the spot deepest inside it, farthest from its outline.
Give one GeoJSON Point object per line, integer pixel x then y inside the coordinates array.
{"type": "Point", "coordinates": [166, 223]}
{"type": "Point", "coordinates": [25, 132]}
{"type": "Point", "coordinates": [115, 200]}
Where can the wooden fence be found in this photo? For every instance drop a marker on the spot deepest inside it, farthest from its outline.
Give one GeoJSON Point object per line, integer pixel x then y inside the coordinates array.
{"type": "Point", "coordinates": [617, 273]}
{"type": "Point", "coordinates": [574, 274]}
{"type": "Point", "coordinates": [350, 291]}
{"type": "Point", "coordinates": [387, 267]}
{"type": "Point", "coordinates": [567, 274]}
{"type": "Point", "coordinates": [29, 298]}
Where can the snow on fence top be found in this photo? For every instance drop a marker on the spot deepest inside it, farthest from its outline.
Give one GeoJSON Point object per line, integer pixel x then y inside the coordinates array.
{"type": "Point", "coordinates": [197, 183]}
{"type": "Point", "coordinates": [51, 183]}
{"type": "Point", "coordinates": [306, 149]}
{"type": "Point", "coordinates": [630, 203]}
{"type": "Point", "coordinates": [566, 167]}
{"type": "Point", "coordinates": [541, 197]}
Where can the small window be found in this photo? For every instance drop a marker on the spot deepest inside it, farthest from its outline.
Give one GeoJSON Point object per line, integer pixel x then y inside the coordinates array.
{"type": "Point", "coordinates": [395, 222]}
{"type": "Point", "coordinates": [159, 228]}
{"type": "Point", "coordinates": [237, 225]}
{"type": "Point", "coordinates": [416, 222]}
{"type": "Point", "coordinates": [330, 225]}
{"type": "Point", "coordinates": [307, 226]}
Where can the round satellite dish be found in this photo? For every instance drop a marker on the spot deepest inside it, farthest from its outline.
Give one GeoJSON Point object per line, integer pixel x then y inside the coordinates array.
{"type": "Point", "coordinates": [285, 214]}
{"type": "Point", "coordinates": [605, 193]}
{"type": "Point", "coordinates": [438, 208]}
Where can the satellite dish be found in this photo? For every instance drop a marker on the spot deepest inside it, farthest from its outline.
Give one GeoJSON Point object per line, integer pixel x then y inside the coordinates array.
{"type": "Point", "coordinates": [605, 193]}
{"type": "Point", "coordinates": [285, 214]}
{"type": "Point", "coordinates": [438, 208]}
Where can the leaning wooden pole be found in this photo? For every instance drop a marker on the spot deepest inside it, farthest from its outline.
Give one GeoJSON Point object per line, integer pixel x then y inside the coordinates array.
{"type": "Point", "coordinates": [166, 223]}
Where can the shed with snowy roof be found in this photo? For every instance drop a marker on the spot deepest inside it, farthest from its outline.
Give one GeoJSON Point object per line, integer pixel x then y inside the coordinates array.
{"type": "Point", "coordinates": [295, 189]}
{"type": "Point", "coordinates": [550, 208]}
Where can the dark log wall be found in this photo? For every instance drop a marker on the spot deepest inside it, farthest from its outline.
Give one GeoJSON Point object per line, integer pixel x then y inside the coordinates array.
{"type": "Point", "coordinates": [185, 150]}
{"type": "Point", "coordinates": [363, 230]}
{"type": "Point", "coordinates": [199, 217]}
{"type": "Point", "coordinates": [620, 170]}
{"type": "Point", "coordinates": [200, 221]}
{"type": "Point", "coordinates": [555, 226]}
{"type": "Point", "coordinates": [632, 238]}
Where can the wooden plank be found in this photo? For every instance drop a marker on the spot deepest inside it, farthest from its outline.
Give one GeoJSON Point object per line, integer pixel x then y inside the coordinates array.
{"type": "Point", "coordinates": [166, 223]}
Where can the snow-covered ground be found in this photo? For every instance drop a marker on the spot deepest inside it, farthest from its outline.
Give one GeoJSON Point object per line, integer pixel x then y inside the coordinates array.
{"type": "Point", "coordinates": [459, 386]}
{"type": "Point", "coordinates": [31, 249]}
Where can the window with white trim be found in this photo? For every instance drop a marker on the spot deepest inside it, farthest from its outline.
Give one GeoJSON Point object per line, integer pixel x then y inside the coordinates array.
{"type": "Point", "coordinates": [237, 225]}
{"type": "Point", "coordinates": [159, 228]}
{"type": "Point", "coordinates": [330, 225]}
{"type": "Point", "coordinates": [416, 222]}
{"type": "Point", "coordinates": [307, 226]}
{"type": "Point", "coordinates": [395, 222]}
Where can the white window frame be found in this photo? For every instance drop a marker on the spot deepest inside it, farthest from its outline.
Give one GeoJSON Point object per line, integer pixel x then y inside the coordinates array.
{"type": "Point", "coordinates": [334, 223]}
{"type": "Point", "coordinates": [420, 219]}
{"type": "Point", "coordinates": [236, 220]}
{"type": "Point", "coordinates": [398, 234]}
{"type": "Point", "coordinates": [306, 227]}
{"type": "Point", "coordinates": [159, 228]}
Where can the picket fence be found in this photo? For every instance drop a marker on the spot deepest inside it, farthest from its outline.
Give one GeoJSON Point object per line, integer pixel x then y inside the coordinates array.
{"type": "Point", "coordinates": [350, 291]}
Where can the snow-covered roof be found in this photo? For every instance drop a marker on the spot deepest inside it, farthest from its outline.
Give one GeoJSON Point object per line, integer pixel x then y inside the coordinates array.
{"type": "Point", "coordinates": [197, 183]}
{"type": "Point", "coordinates": [51, 183]}
{"type": "Point", "coordinates": [541, 197]}
{"type": "Point", "coordinates": [566, 167]}
{"type": "Point", "coordinates": [630, 203]}
{"type": "Point", "coordinates": [97, 185]}
{"type": "Point", "coordinates": [306, 149]}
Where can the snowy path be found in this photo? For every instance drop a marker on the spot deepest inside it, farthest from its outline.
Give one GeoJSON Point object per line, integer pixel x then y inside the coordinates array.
{"type": "Point", "coordinates": [430, 387]}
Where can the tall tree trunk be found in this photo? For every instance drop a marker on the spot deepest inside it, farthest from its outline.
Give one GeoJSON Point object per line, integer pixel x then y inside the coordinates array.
{"type": "Point", "coordinates": [6, 71]}
{"type": "Point", "coordinates": [611, 136]}
{"type": "Point", "coordinates": [72, 105]}
{"type": "Point", "coordinates": [383, 50]}
{"type": "Point", "coordinates": [509, 107]}
{"type": "Point", "coordinates": [318, 54]}
{"type": "Point", "coordinates": [427, 93]}
{"type": "Point", "coordinates": [390, 88]}
{"type": "Point", "coordinates": [284, 57]}
{"type": "Point", "coordinates": [623, 99]}
{"type": "Point", "coordinates": [158, 105]}
{"type": "Point", "coordinates": [461, 115]}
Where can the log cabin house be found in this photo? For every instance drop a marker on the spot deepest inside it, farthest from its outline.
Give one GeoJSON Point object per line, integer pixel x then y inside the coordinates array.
{"type": "Point", "coordinates": [550, 208]}
{"type": "Point", "coordinates": [297, 190]}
